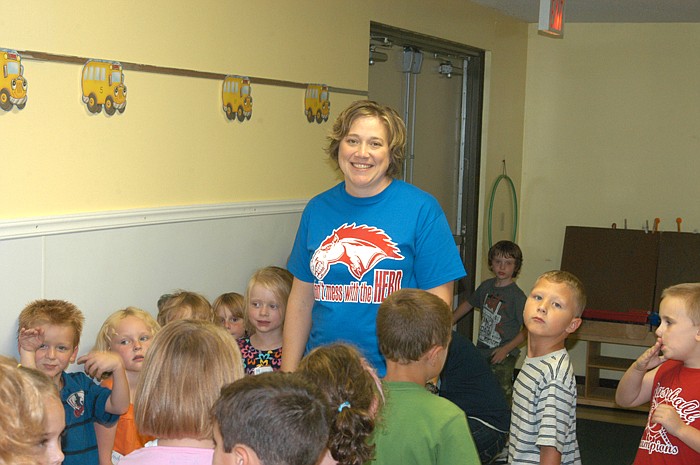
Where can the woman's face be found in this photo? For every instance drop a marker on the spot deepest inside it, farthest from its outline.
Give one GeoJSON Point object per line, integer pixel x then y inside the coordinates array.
{"type": "Point", "coordinates": [364, 157]}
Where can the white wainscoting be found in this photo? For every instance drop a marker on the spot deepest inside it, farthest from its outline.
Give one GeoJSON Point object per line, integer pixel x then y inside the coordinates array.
{"type": "Point", "coordinates": [106, 261]}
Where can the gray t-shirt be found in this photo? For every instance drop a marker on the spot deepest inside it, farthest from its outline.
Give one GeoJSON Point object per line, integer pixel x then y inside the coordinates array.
{"type": "Point", "coordinates": [501, 314]}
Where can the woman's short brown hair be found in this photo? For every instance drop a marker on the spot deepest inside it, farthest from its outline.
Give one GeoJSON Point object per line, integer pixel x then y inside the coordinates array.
{"type": "Point", "coordinates": [185, 368]}
{"type": "Point", "coordinates": [395, 129]}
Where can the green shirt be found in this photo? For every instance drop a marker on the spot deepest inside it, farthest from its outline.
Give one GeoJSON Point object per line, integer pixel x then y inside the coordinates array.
{"type": "Point", "coordinates": [417, 427]}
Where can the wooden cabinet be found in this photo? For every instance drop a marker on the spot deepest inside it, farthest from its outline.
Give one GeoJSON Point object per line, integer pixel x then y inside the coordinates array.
{"type": "Point", "coordinates": [593, 334]}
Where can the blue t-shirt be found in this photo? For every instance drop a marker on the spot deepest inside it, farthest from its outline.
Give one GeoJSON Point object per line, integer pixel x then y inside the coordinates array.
{"type": "Point", "coordinates": [84, 403]}
{"type": "Point", "coordinates": [357, 251]}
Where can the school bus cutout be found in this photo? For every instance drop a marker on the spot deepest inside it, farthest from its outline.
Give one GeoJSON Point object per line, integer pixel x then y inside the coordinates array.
{"type": "Point", "coordinates": [316, 103]}
{"type": "Point", "coordinates": [236, 98]}
{"type": "Point", "coordinates": [13, 85]}
{"type": "Point", "coordinates": [103, 84]}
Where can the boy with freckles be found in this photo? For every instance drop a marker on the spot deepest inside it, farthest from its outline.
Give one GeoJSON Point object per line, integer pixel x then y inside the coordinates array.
{"type": "Point", "coordinates": [543, 419]}
{"type": "Point", "coordinates": [668, 375]}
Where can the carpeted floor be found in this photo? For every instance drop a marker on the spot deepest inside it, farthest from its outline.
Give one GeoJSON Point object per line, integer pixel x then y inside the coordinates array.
{"type": "Point", "coordinates": [602, 443]}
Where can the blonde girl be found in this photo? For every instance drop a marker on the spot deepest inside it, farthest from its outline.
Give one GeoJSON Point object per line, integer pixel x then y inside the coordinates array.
{"type": "Point", "coordinates": [129, 333]}
{"type": "Point", "coordinates": [353, 392]}
{"type": "Point", "coordinates": [32, 419]}
{"type": "Point", "coordinates": [187, 365]}
{"type": "Point", "coordinates": [229, 309]}
{"type": "Point", "coordinates": [266, 302]}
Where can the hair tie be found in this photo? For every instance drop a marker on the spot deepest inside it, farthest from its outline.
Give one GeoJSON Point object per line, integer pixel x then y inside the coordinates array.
{"type": "Point", "coordinates": [345, 404]}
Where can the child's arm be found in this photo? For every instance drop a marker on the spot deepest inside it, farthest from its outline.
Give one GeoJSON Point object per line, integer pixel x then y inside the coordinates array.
{"type": "Point", "coordinates": [99, 363]}
{"type": "Point", "coordinates": [502, 352]}
{"type": "Point", "coordinates": [549, 455]}
{"type": "Point", "coordinates": [668, 417]}
{"type": "Point", "coordinates": [105, 442]}
{"type": "Point", "coordinates": [463, 308]}
{"type": "Point", "coordinates": [28, 342]}
{"type": "Point", "coordinates": [635, 386]}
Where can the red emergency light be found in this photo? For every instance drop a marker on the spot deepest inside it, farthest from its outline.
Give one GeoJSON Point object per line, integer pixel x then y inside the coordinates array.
{"type": "Point", "coordinates": [552, 18]}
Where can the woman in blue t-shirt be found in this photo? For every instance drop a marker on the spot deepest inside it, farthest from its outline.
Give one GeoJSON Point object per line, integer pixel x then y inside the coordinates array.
{"type": "Point", "coordinates": [363, 239]}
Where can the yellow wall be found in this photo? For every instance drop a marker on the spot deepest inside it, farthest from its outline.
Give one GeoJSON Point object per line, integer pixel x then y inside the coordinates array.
{"type": "Point", "coordinates": [611, 133]}
{"type": "Point", "coordinates": [173, 145]}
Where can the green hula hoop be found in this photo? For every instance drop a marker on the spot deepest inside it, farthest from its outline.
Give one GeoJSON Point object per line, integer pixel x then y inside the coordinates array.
{"type": "Point", "coordinates": [515, 206]}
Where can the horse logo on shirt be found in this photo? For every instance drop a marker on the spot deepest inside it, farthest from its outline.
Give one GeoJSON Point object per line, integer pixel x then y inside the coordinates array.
{"type": "Point", "coordinates": [359, 248]}
{"type": "Point", "coordinates": [77, 401]}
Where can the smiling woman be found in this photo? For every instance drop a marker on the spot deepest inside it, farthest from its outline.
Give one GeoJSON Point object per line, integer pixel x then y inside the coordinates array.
{"type": "Point", "coordinates": [363, 239]}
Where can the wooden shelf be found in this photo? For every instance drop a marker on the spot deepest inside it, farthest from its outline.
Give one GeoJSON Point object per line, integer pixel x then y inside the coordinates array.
{"type": "Point", "coordinates": [609, 415]}
{"type": "Point", "coordinates": [609, 363]}
{"type": "Point", "coordinates": [595, 333]}
{"type": "Point", "coordinates": [604, 397]}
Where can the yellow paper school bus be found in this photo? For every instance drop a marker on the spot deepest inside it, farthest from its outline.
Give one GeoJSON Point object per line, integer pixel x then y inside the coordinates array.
{"type": "Point", "coordinates": [13, 85]}
{"type": "Point", "coordinates": [317, 104]}
{"type": "Point", "coordinates": [103, 84]}
{"type": "Point", "coordinates": [236, 98]}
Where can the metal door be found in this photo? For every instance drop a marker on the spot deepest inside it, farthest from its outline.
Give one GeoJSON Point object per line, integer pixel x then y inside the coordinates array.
{"type": "Point", "coordinates": [437, 86]}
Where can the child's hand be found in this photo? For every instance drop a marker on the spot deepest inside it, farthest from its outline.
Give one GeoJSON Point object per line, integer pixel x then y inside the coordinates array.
{"type": "Point", "coordinates": [30, 339]}
{"type": "Point", "coordinates": [666, 416]}
{"type": "Point", "coordinates": [650, 358]}
{"type": "Point", "coordinates": [99, 363]}
{"type": "Point", "coordinates": [498, 355]}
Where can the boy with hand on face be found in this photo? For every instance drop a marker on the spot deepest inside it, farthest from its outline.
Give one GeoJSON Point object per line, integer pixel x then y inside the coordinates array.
{"type": "Point", "coordinates": [543, 419]}
{"type": "Point", "coordinates": [668, 375]}
{"type": "Point", "coordinates": [48, 338]}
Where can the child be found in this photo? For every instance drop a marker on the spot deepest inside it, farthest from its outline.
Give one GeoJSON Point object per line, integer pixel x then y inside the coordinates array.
{"type": "Point", "coordinates": [272, 419]}
{"type": "Point", "coordinates": [353, 390]}
{"type": "Point", "coordinates": [667, 375]}
{"type": "Point", "coordinates": [543, 420]}
{"type": "Point", "coordinates": [128, 333]}
{"type": "Point", "coordinates": [501, 302]}
{"type": "Point", "coordinates": [54, 416]}
{"type": "Point", "coordinates": [187, 364]}
{"type": "Point", "coordinates": [266, 301]}
{"type": "Point", "coordinates": [48, 338]}
{"type": "Point", "coordinates": [468, 382]}
{"type": "Point", "coordinates": [229, 309]}
{"type": "Point", "coordinates": [185, 305]}
{"type": "Point", "coordinates": [413, 328]}
{"type": "Point", "coordinates": [32, 417]}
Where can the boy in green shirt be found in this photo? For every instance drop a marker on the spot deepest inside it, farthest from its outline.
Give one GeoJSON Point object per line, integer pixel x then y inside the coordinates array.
{"type": "Point", "coordinates": [417, 427]}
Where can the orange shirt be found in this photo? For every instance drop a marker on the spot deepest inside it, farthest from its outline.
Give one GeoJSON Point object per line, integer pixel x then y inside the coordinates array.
{"type": "Point", "coordinates": [127, 438]}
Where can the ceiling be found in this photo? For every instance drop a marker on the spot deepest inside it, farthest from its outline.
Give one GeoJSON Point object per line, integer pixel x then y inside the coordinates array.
{"type": "Point", "coordinates": [605, 11]}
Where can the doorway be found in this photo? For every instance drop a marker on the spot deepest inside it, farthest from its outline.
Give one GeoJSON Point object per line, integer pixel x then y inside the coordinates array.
{"type": "Point", "coordinates": [437, 86]}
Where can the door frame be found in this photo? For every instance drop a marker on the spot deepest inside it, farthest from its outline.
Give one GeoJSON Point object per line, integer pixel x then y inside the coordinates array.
{"type": "Point", "coordinates": [471, 127]}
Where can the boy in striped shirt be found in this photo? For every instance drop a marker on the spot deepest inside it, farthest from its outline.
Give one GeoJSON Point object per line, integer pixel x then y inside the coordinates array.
{"type": "Point", "coordinates": [543, 419]}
